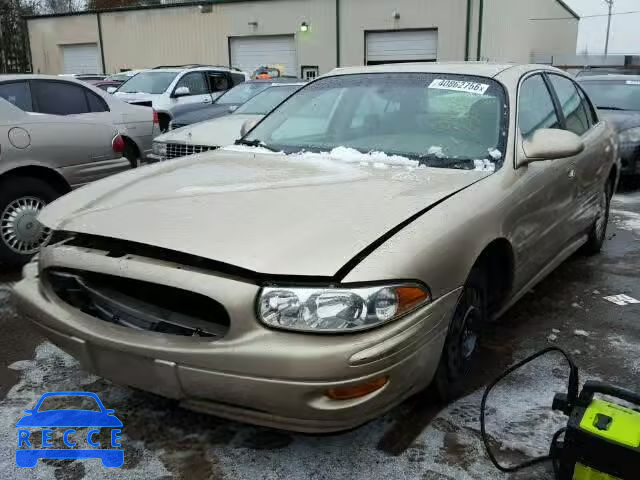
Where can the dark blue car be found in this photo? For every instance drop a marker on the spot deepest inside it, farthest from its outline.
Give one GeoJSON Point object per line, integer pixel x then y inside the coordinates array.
{"type": "Point", "coordinates": [42, 417]}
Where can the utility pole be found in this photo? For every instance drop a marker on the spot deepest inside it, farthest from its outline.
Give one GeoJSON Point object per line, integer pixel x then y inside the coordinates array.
{"type": "Point", "coordinates": [606, 42]}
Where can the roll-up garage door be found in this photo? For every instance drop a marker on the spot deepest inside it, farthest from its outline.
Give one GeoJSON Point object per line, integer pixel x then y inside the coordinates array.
{"type": "Point", "coordinates": [81, 58]}
{"type": "Point", "coordinates": [249, 53]}
{"type": "Point", "coordinates": [401, 46]}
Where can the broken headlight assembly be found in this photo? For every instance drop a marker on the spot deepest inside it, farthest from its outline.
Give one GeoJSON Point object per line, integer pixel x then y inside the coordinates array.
{"type": "Point", "coordinates": [338, 309]}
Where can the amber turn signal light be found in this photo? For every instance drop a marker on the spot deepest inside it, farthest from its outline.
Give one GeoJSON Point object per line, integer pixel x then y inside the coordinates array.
{"type": "Point", "coordinates": [357, 391]}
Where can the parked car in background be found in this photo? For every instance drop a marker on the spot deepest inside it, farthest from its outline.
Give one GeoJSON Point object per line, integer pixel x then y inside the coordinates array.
{"type": "Point", "coordinates": [163, 88]}
{"type": "Point", "coordinates": [224, 105]}
{"type": "Point", "coordinates": [84, 76]}
{"type": "Point", "coordinates": [105, 85]}
{"type": "Point", "coordinates": [123, 76]}
{"type": "Point", "coordinates": [352, 246]}
{"type": "Point", "coordinates": [66, 96]}
{"type": "Point", "coordinates": [41, 158]}
{"type": "Point", "coordinates": [221, 131]}
{"type": "Point", "coordinates": [618, 99]}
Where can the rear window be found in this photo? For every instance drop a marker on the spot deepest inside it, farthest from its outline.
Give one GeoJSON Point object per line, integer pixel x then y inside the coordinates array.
{"type": "Point", "coordinates": [148, 82]}
{"type": "Point", "coordinates": [18, 94]}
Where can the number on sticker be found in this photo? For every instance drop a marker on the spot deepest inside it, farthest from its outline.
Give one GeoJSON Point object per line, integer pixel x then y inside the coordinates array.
{"type": "Point", "coordinates": [459, 86]}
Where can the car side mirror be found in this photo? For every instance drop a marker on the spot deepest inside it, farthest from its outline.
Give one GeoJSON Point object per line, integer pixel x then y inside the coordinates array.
{"type": "Point", "coordinates": [109, 411]}
{"type": "Point", "coordinates": [232, 108]}
{"type": "Point", "coordinates": [111, 90]}
{"type": "Point", "coordinates": [550, 144]}
{"type": "Point", "coordinates": [181, 92]}
{"type": "Point", "coordinates": [29, 410]}
{"type": "Point", "coordinates": [248, 126]}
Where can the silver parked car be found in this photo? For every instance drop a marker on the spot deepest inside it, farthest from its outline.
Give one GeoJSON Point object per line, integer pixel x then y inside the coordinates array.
{"type": "Point", "coordinates": [221, 131]}
{"type": "Point", "coordinates": [165, 87]}
{"type": "Point", "coordinates": [66, 96]}
{"type": "Point", "coordinates": [340, 260]}
{"type": "Point", "coordinates": [41, 158]}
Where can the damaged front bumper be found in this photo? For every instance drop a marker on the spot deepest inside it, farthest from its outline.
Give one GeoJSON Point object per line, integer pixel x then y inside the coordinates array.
{"type": "Point", "coordinates": [245, 371]}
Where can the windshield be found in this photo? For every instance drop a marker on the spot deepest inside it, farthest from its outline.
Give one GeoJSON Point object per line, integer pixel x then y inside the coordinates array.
{"type": "Point", "coordinates": [615, 95]}
{"type": "Point", "coordinates": [241, 93]}
{"type": "Point", "coordinates": [148, 82]}
{"type": "Point", "coordinates": [450, 121]}
{"type": "Point", "coordinates": [64, 402]}
{"type": "Point", "coordinates": [267, 100]}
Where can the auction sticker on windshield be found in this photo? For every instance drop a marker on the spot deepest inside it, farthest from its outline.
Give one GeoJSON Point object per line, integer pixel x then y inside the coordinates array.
{"type": "Point", "coordinates": [459, 86]}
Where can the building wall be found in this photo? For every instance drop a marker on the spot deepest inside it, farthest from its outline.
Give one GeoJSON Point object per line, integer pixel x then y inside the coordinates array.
{"type": "Point", "coordinates": [47, 35]}
{"type": "Point", "coordinates": [145, 38]}
{"type": "Point", "coordinates": [358, 16]}
{"type": "Point", "coordinates": [510, 33]}
{"type": "Point", "coordinates": [180, 35]}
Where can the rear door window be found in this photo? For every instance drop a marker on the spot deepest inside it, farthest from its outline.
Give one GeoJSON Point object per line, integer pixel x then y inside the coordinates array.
{"type": "Point", "coordinates": [17, 93]}
{"type": "Point", "coordinates": [572, 103]}
{"type": "Point", "coordinates": [218, 82]}
{"type": "Point", "coordinates": [59, 98]}
{"type": "Point", "coordinates": [96, 104]}
{"type": "Point", "coordinates": [195, 82]}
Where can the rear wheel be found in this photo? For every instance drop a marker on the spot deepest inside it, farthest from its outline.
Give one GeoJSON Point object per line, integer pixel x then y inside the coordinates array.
{"type": "Point", "coordinates": [598, 231]}
{"type": "Point", "coordinates": [462, 342]}
{"type": "Point", "coordinates": [21, 235]}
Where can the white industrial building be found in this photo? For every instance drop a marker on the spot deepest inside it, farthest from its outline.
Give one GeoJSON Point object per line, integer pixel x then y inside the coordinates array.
{"type": "Point", "coordinates": [303, 37]}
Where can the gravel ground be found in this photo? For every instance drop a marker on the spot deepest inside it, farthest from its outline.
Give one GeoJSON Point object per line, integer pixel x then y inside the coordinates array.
{"type": "Point", "coordinates": [417, 440]}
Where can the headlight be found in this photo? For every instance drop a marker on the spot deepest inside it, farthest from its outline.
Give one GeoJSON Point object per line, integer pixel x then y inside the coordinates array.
{"type": "Point", "coordinates": [337, 309]}
{"type": "Point", "coordinates": [159, 148]}
{"type": "Point", "coordinates": [630, 136]}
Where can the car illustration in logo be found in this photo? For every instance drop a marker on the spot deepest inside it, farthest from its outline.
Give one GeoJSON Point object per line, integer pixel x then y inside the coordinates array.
{"type": "Point", "coordinates": [104, 427]}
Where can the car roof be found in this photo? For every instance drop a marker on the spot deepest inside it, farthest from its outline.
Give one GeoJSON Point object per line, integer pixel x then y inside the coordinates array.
{"type": "Point", "coordinates": [482, 69]}
{"type": "Point", "coordinates": [198, 68]}
{"type": "Point", "coordinates": [610, 77]}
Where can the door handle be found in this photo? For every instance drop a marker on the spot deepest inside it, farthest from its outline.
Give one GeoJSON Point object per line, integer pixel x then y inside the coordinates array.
{"type": "Point", "coordinates": [571, 172]}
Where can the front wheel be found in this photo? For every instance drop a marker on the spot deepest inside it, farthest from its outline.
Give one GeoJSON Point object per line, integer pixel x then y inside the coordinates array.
{"type": "Point", "coordinates": [598, 231]}
{"type": "Point", "coordinates": [21, 235]}
{"type": "Point", "coordinates": [462, 342]}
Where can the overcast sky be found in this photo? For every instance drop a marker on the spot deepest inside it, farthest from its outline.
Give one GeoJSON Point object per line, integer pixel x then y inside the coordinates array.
{"type": "Point", "coordinates": [625, 28]}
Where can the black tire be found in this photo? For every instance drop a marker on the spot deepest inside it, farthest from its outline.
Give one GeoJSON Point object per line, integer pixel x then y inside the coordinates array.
{"type": "Point", "coordinates": [598, 232]}
{"type": "Point", "coordinates": [131, 153]}
{"type": "Point", "coordinates": [12, 189]}
{"type": "Point", "coordinates": [462, 342]}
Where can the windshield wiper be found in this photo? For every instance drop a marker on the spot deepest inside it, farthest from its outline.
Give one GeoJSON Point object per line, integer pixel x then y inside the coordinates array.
{"type": "Point", "coordinates": [610, 108]}
{"type": "Point", "coordinates": [447, 162]}
{"type": "Point", "coordinates": [254, 143]}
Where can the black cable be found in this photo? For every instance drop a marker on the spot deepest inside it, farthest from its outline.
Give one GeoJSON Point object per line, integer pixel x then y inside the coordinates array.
{"type": "Point", "coordinates": [572, 394]}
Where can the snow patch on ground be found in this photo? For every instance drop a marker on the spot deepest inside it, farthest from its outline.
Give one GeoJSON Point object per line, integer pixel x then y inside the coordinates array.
{"type": "Point", "coordinates": [520, 422]}
{"type": "Point", "coordinates": [54, 370]}
{"type": "Point", "coordinates": [626, 220]}
{"type": "Point", "coordinates": [630, 350]}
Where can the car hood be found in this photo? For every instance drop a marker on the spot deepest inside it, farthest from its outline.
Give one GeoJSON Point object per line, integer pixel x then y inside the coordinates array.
{"type": "Point", "coordinates": [262, 211]}
{"type": "Point", "coordinates": [69, 418]}
{"type": "Point", "coordinates": [621, 120]}
{"type": "Point", "coordinates": [216, 133]}
{"type": "Point", "coordinates": [201, 114]}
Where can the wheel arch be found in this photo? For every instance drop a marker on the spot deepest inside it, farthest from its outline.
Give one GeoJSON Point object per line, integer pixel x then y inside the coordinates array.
{"type": "Point", "coordinates": [497, 261]}
{"type": "Point", "coordinates": [49, 175]}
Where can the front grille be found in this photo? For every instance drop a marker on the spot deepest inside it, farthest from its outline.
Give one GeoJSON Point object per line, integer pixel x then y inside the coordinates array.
{"type": "Point", "coordinates": [175, 150]}
{"type": "Point", "coordinates": [140, 305]}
